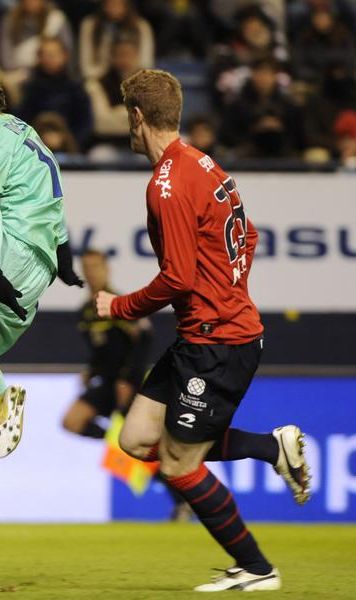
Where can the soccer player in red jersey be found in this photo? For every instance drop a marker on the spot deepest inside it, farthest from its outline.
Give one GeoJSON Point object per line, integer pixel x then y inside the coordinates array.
{"type": "Point", "coordinates": [205, 245]}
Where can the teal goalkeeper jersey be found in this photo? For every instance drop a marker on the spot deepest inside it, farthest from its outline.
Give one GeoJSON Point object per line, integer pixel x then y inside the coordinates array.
{"type": "Point", "coordinates": [31, 197]}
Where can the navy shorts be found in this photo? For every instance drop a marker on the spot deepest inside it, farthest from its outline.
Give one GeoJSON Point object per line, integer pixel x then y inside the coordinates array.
{"type": "Point", "coordinates": [202, 385]}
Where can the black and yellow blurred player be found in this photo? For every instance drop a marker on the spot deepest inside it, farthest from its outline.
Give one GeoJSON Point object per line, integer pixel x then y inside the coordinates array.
{"type": "Point", "coordinates": [118, 357]}
{"type": "Point", "coordinates": [119, 352]}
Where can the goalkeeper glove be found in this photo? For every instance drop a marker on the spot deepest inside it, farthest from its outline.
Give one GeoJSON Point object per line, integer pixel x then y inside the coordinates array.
{"type": "Point", "coordinates": [65, 266]}
{"type": "Point", "coordinates": [8, 296]}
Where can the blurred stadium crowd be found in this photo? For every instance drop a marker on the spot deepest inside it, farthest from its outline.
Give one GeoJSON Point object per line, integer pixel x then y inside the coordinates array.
{"type": "Point", "coordinates": [263, 79]}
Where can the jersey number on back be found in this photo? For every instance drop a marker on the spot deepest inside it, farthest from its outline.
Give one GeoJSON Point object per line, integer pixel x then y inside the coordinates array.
{"type": "Point", "coordinates": [48, 160]}
{"type": "Point", "coordinates": [235, 227]}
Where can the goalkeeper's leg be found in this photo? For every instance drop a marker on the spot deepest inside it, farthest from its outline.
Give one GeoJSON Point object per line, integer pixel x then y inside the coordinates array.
{"type": "Point", "coordinates": [31, 276]}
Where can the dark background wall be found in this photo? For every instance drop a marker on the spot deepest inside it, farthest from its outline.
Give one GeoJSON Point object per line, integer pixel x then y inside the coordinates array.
{"type": "Point", "coordinates": [290, 339]}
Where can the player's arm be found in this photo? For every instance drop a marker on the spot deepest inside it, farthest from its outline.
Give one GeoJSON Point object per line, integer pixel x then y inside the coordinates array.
{"type": "Point", "coordinates": [178, 227]}
{"type": "Point", "coordinates": [65, 266]}
{"type": "Point", "coordinates": [251, 242]}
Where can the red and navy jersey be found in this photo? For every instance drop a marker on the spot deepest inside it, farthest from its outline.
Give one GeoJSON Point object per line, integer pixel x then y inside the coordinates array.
{"type": "Point", "coordinates": [204, 244]}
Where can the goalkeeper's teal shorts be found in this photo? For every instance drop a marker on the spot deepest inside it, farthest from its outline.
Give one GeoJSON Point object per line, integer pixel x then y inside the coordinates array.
{"type": "Point", "coordinates": [29, 274]}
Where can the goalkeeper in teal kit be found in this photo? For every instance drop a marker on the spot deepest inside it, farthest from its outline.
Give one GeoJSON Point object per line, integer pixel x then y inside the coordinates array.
{"type": "Point", "coordinates": [34, 248]}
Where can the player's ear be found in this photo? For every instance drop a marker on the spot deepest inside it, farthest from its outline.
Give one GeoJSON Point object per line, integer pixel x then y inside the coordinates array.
{"type": "Point", "coordinates": [137, 116]}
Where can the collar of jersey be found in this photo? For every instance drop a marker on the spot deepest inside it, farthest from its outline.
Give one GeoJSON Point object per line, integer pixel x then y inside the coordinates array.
{"type": "Point", "coordinates": [173, 147]}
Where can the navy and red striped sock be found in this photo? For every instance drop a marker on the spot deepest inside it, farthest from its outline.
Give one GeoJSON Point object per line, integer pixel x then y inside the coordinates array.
{"type": "Point", "coordinates": [236, 444]}
{"type": "Point", "coordinates": [215, 507]}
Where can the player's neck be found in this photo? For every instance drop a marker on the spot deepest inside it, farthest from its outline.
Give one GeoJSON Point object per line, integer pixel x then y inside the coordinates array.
{"type": "Point", "coordinates": [157, 143]}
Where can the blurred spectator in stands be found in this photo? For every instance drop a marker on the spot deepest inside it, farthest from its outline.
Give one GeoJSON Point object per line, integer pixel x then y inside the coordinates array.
{"type": "Point", "coordinates": [345, 143]}
{"type": "Point", "coordinates": [7, 89]}
{"type": "Point", "coordinates": [320, 44]}
{"type": "Point", "coordinates": [99, 31]}
{"type": "Point", "coordinates": [299, 11]}
{"type": "Point", "coordinates": [254, 35]}
{"type": "Point", "coordinates": [179, 27]}
{"type": "Point", "coordinates": [22, 29]}
{"type": "Point", "coordinates": [54, 132]}
{"type": "Point", "coordinates": [301, 92]}
{"type": "Point", "coordinates": [262, 121]}
{"type": "Point", "coordinates": [20, 33]}
{"type": "Point", "coordinates": [6, 4]}
{"type": "Point", "coordinates": [336, 94]}
{"type": "Point", "coordinates": [51, 88]}
{"type": "Point", "coordinates": [202, 134]}
{"type": "Point", "coordinates": [76, 10]}
{"type": "Point", "coordinates": [225, 10]}
{"type": "Point", "coordinates": [110, 115]}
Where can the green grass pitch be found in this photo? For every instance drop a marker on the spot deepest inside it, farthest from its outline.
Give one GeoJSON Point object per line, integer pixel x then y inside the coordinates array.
{"type": "Point", "coordinates": [164, 561]}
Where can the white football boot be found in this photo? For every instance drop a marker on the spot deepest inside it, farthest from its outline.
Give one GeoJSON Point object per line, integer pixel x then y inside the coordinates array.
{"type": "Point", "coordinates": [291, 464]}
{"type": "Point", "coordinates": [11, 419]}
{"type": "Point", "coordinates": [242, 581]}
{"type": "Point", "coordinates": [4, 409]}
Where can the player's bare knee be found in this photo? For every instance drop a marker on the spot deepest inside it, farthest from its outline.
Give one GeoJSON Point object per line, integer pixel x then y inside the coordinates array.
{"type": "Point", "coordinates": [130, 447]}
{"type": "Point", "coordinates": [125, 443]}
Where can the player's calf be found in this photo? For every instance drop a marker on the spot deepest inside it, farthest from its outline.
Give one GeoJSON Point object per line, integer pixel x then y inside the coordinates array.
{"type": "Point", "coordinates": [78, 416]}
{"type": "Point", "coordinates": [178, 458]}
{"type": "Point", "coordinates": [72, 425]}
{"type": "Point", "coordinates": [214, 505]}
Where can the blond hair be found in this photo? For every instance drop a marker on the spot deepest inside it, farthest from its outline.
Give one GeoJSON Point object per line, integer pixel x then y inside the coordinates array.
{"type": "Point", "coordinates": [158, 95]}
